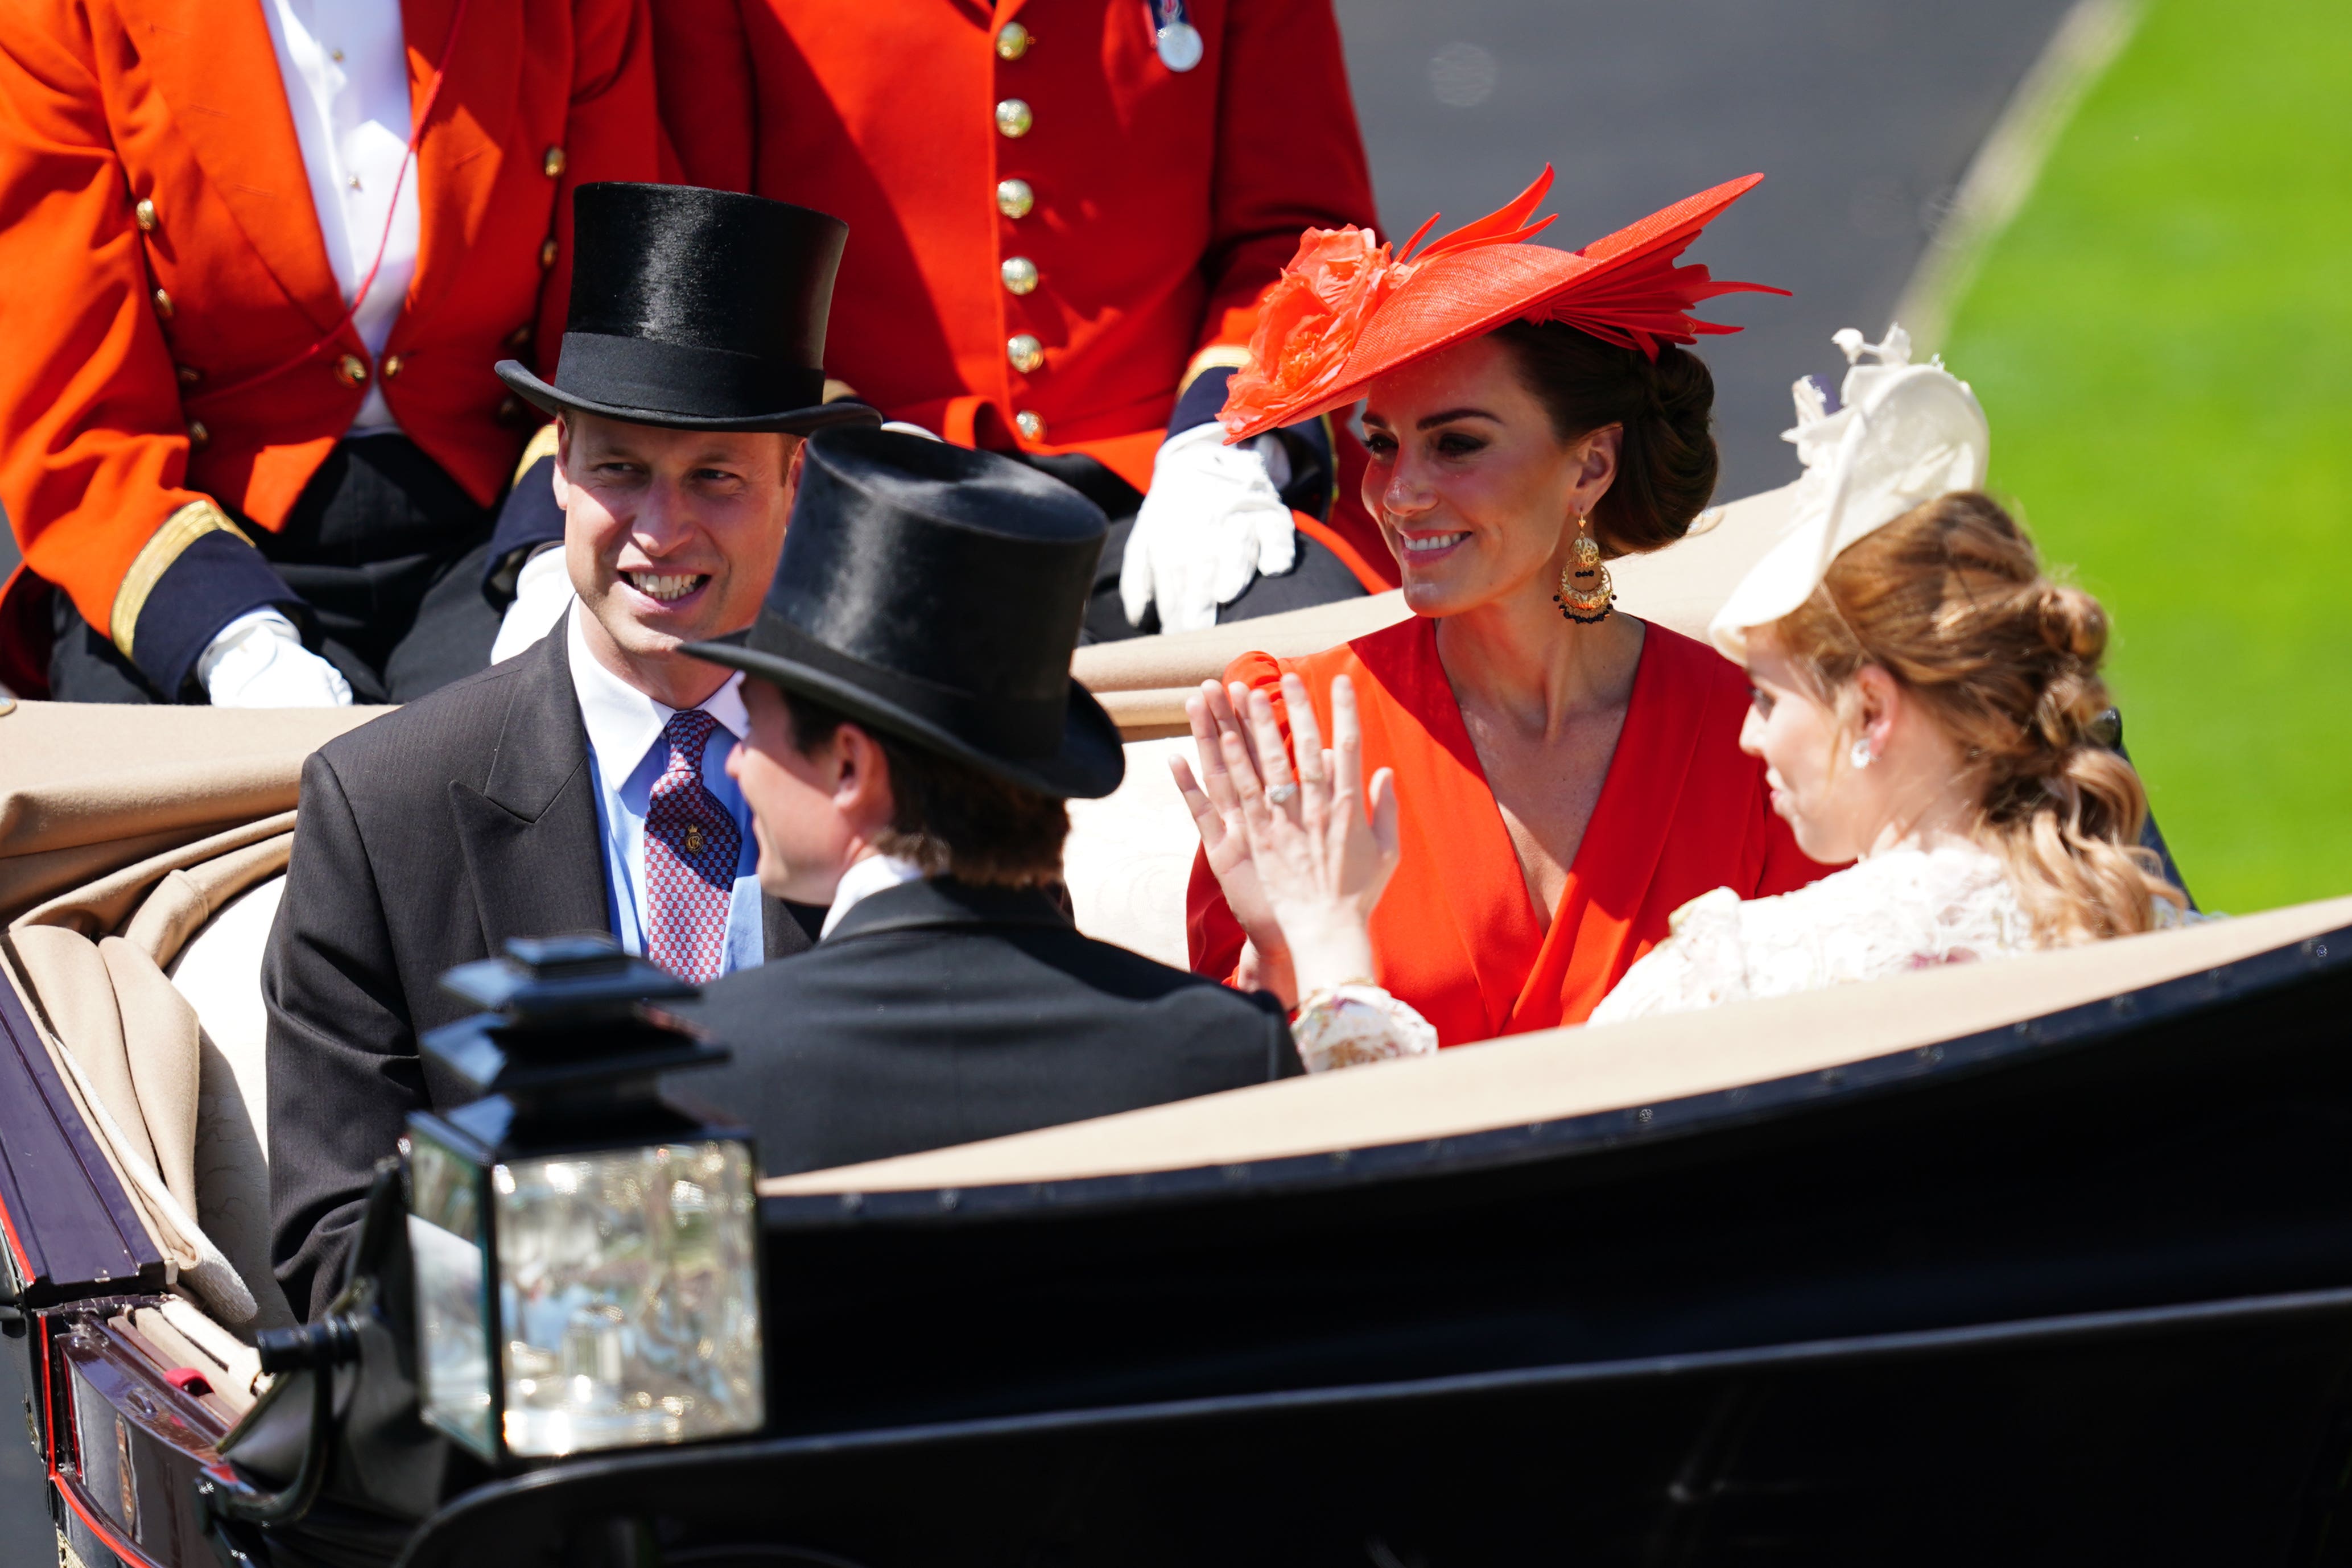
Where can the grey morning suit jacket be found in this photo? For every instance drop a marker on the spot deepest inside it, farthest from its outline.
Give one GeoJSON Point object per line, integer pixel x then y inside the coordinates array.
{"type": "Point", "coordinates": [425, 840]}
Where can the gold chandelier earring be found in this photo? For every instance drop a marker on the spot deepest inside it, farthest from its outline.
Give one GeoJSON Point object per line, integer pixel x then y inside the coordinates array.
{"type": "Point", "coordinates": [1585, 591]}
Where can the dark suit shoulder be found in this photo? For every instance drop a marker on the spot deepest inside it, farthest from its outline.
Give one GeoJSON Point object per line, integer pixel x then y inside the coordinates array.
{"type": "Point", "coordinates": [937, 986]}
{"type": "Point", "coordinates": [927, 1029]}
{"type": "Point", "coordinates": [1117, 973]}
{"type": "Point", "coordinates": [1123, 971]}
{"type": "Point", "coordinates": [512, 733]}
{"type": "Point", "coordinates": [461, 721]}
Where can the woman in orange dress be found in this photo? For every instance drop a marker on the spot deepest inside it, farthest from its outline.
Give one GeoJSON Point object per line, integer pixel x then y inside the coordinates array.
{"type": "Point", "coordinates": [1566, 776]}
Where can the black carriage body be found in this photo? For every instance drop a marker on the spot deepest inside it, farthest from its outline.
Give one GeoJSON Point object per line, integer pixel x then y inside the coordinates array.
{"type": "Point", "coordinates": [2076, 1290]}
{"type": "Point", "coordinates": [2079, 1289]}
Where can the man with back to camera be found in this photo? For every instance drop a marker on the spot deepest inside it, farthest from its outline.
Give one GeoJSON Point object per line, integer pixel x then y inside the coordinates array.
{"type": "Point", "coordinates": [915, 734]}
{"type": "Point", "coordinates": [580, 785]}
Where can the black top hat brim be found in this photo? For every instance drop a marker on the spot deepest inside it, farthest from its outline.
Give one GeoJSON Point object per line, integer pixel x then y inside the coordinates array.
{"type": "Point", "coordinates": [550, 399]}
{"type": "Point", "coordinates": [1087, 765]}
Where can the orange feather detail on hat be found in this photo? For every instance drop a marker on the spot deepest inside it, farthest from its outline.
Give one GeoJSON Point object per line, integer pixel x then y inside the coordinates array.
{"type": "Point", "coordinates": [1345, 312]}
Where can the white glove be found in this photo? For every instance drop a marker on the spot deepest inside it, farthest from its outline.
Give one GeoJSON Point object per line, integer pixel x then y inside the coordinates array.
{"type": "Point", "coordinates": [258, 661]}
{"type": "Point", "coordinates": [543, 593]}
{"type": "Point", "coordinates": [1213, 521]}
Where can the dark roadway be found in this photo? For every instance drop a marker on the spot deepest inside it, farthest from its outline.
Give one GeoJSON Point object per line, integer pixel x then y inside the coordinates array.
{"type": "Point", "coordinates": [1862, 115]}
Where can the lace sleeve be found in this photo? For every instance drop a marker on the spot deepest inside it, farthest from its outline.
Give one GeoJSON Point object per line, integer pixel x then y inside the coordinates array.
{"type": "Point", "coordinates": [1350, 1024]}
{"type": "Point", "coordinates": [1701, 963]}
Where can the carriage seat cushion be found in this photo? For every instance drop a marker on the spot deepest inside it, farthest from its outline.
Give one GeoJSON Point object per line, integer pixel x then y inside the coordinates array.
{"type": "Point", "coordinates": [219, 974]}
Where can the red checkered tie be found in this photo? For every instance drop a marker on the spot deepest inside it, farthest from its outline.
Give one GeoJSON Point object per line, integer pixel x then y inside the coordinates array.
{"type": "Point", "coordinates": [690, 847]}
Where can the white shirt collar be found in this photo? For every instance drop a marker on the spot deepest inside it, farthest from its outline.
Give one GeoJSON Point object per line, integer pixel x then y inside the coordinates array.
{"type": "Point", "coordinates": [863, 881]}
{"type": "Point", "coordinates": [622, 722]}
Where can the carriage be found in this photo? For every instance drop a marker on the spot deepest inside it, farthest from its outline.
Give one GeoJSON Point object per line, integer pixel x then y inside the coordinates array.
{"type": "Point", "coordinates": [2049, 1259]}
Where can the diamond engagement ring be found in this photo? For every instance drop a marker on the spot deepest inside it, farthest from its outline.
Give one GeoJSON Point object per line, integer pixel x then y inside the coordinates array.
{"type": "Point", "coordinates": [1281, 794]}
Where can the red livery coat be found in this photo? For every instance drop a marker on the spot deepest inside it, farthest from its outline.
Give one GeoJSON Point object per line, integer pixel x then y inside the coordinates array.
{"type": "Point", "coordinates": [1160, 203]}
{"type": "Point", "coordinates": [161, 247]}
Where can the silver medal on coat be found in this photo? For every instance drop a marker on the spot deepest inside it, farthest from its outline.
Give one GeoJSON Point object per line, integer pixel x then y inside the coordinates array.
{"type": "Point", "coordinates": [1179, 42]}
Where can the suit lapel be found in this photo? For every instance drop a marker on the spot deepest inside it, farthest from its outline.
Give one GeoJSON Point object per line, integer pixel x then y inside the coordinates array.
{"type": "Point", "coordinates": [459, 159]}
{"type": "Point", "coordinates": [215, 65]}
{"type": "Point", "coordinates": [529, 834]}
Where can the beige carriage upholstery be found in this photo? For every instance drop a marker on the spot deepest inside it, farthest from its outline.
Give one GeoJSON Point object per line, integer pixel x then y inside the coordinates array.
{"type": "Point", "coordinates": [142, 853]}
{"type": "Point", "coordinates": [123, 832]}
{"type": "Point", "coordinates": [1558, 1073]}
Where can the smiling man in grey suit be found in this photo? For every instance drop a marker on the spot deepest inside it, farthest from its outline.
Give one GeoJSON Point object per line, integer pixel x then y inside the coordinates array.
{"type": "Point", "coordinates": [582, 785]}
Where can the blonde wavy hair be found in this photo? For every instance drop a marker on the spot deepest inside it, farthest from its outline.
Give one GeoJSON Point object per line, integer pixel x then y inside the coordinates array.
{"type": "Point", "coordinates": [1950, 600]}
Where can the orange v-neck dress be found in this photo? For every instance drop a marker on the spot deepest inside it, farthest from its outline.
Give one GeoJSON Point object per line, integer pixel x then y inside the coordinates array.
{"type": "Point", "coordinates": [1683, 811]}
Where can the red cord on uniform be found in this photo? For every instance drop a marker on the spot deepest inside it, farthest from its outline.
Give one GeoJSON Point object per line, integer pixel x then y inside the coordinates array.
{"type": "Point", "coordinates": [391, 214]}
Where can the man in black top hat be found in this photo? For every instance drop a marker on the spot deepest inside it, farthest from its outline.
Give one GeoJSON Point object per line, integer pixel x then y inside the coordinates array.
{"type": "Point", "coordinates": [580, 787]}
{"type": "Point", "coordinates": [915, 735]}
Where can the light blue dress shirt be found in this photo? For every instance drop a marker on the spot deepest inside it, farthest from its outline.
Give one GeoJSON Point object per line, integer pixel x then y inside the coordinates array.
{"type": "Point", "coordinates": [626, 754]}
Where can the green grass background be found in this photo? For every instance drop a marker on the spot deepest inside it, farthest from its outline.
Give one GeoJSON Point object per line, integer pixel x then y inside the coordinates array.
{"type": "Point", "coordinates": [2163, 341]}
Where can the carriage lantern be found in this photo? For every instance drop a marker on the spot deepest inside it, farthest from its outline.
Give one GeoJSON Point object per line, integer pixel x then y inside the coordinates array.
{"type": "Point", "coordinates": [586, 1250]}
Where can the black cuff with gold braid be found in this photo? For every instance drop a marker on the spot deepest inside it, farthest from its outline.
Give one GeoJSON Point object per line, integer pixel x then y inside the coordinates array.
{"type": "Point", "coordinates": [195, 575]}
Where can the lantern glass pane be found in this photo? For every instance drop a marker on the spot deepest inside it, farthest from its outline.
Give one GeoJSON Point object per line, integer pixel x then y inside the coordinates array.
{"type": "Point", "coordinates": [628, 1295]}
{"type": "Point", "coordinates": [445, 1242]}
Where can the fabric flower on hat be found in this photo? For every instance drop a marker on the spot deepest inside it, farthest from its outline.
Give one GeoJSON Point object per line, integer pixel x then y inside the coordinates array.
{"type": "Point", "coordinates": [1344, 313]}
{"type": "Point", "coordinates": [1309, 320]}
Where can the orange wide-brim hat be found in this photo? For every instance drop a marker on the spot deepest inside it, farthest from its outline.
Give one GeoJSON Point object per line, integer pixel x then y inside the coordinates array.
{"type": "Point", "coordinates": [1345, 314]}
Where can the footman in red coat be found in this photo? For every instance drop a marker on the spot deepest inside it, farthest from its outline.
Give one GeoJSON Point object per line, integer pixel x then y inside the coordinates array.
{"type": "Point", "coordinates": [1063, 217]}
{"type": "Point", "coordinates": [260, 257]}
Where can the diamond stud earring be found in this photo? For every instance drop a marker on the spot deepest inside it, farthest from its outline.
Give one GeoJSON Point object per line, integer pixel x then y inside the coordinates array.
{"type": "Point", "coordinates": [1861, 756]}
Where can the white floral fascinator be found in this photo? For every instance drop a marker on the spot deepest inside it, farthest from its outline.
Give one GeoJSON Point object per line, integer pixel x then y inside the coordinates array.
{"type": "Point", "coordinates": [1903, 435]}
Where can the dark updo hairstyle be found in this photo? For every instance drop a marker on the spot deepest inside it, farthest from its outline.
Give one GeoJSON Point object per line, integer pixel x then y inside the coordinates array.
{"type": "Point", "coordinates": [1666, 463]}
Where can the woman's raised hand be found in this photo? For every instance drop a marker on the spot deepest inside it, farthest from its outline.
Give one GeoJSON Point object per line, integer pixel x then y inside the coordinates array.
{"type": "Point", "coordinates": [1324, 848]}
{"type": "Point", "coordinates": [1216, 804]}
{"type": "Point", "coordinates": [1298, 844]}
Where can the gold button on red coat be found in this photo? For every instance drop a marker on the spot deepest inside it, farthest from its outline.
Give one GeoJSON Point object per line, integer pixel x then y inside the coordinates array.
{"type": "Point", "coordinates": [1013, 118]}
{"type": "Point", "coordinates": [1019, 273]}
{"type": "Point", "coordinates": [144, 214]}
{"type": "Point", "coordinates": [1013, 41]}
{"type": "Point", "coordinates": [163, 305]}
{"type": "Point", "coordinates": [553, 163]}
{"type": "Point", "coordinates": [392, 367]}
{"type": "Point", "coordinates": [352, 370]}
{"type": "Point", "coordinates": [1031, 424]}
{"type": "Point", "coordinates": [188, 375]}
{"type": "Point", "coordinates": [1024, 351]}
{"type": "Point", "coordinates": [1014, 199]}
{"type": "Point", "coordinates": [198, 436]}
{"type": "Point", "coordinates": [547, 253]}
